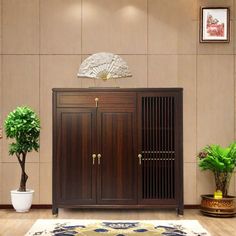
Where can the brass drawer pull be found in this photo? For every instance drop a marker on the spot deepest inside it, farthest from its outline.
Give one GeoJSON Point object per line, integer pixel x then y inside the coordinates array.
{"type": "Point", "coordinates": [99, 159]}
{"type": "Point", "coordinates": [96, 100]}
{"type": "Point", "coordinates": [140, 159]}
{"type": "Point", "coordinates": [94, 157]}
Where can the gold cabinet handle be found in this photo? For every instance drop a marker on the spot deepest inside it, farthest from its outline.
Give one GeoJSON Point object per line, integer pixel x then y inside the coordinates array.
{"type": "Point", "coordinates": [96, 101]}
{"type": "Point", "coordinates": [94, 157]}
{"type": "Point", "coordinates": [140, 159]}
{"type": "Point", "coordinates": [99, 159]}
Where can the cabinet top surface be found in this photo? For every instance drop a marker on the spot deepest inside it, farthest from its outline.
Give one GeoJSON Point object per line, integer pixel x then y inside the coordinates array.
{"type": "Point", "coordinates": [96, 89]}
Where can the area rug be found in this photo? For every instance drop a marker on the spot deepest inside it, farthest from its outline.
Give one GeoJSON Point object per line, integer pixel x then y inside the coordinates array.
{"type": "Point", "coordinates": [61, 227]}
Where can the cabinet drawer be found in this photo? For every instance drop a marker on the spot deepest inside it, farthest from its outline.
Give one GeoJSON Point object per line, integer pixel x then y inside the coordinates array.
{"type": "Point", "coordinates": [83, 99]}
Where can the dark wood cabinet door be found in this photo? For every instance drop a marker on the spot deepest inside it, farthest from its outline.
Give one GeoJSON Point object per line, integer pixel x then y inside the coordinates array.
{"type": "Point", "coordinates": [118, 164]}
{"type": "Point", "coordinates": [159, 142]}
{"type": "Point", "coordinates": [74, 170]}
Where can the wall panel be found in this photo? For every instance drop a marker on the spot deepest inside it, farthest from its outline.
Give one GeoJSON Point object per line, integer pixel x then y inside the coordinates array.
{"type": "Point", "coordinates": [60, 24]}
{"type": "Point", "coordinates": [115, 26]}
{"type": "Point", "coordinates": [172, 28]}
{"type": "Point", "coordinates": [20, 26]}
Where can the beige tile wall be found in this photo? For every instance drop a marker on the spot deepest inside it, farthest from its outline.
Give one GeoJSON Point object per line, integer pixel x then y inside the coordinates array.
{"type": "Point", "coordinates": [115, 26]}
{"type": "Point", "coordinates": [60, 27]}
{"type": "Point", "coordinates": [20, 26]}
{"type": "Point", "coordinates": [44, 41]}
{"type": "Point", "coordinates": [171, 27]}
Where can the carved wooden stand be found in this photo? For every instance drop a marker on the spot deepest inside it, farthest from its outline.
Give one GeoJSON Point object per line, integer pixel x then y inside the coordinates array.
{"type": "Point", "coordinates": [225, 207]}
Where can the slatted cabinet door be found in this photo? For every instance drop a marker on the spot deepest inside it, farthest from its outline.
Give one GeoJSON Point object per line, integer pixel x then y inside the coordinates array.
{"type": "Point", "coordinates": [160, 141]}
{"type": "Point", "coordinates": [75, 170]}
{"type": "Point", "coordinates": [117, 165]}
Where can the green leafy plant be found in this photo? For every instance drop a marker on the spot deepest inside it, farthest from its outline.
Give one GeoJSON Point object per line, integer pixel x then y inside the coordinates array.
{"type": "Point", "coordinates": [221, 161]}
{"type": "Point", "coordinates": [22, 125]}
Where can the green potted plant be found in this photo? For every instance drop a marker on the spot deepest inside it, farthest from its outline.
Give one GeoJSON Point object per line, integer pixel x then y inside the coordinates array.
{"type": "Point", "coordinates": [22, 125]}
{"type": "Point", "coordinates": [221, 162]}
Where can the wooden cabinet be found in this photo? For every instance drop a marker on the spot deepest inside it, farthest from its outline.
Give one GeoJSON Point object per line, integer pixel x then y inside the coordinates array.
{"type": "Point", "coordinates": [117, 148]}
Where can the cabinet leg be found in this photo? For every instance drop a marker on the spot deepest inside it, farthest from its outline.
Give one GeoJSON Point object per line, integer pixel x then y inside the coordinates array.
{"type": "Point", "coordinates": [180, 211]}
{"type": "Point", "coordinates": [55, 211]}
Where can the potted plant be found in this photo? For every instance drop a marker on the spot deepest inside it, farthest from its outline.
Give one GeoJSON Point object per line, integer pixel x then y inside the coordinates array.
{"type": "Point", "coordinates": [221, 162]}
{"type": "Point", "coordinates": [23, 126]}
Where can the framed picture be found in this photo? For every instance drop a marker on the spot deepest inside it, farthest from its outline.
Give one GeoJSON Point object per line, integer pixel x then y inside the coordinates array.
{"type": "Point", "coordinates": [214, 24]}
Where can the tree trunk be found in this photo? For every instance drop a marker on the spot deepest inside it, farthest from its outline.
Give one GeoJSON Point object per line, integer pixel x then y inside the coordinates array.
{"type": "Point", "coordinates": [24, 176]}
{"type": "Point", "coordinates": [222, 180]}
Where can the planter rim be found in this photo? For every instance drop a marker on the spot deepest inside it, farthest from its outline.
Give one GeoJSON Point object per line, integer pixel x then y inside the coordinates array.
{"type": "Point", "coordinates": [28, 191]}
{"type": "Point", "coordinates": [211, 196]}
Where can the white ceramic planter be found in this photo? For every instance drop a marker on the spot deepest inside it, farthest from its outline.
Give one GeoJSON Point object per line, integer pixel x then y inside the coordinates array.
{"type": "Point", "coordinates": [22, 201]}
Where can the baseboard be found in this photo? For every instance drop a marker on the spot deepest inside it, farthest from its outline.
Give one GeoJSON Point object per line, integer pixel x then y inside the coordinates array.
{"type": "Point", "coordinates": [49, 206]}
{"type": "Point", "coordinates": [192, 206]}
{"type": "Point", "coordinates": [34, 206]}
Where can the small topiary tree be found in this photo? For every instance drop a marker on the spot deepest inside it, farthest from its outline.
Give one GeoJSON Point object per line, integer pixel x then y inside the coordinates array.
{"type": "Point", "coordinates": [23, 125]}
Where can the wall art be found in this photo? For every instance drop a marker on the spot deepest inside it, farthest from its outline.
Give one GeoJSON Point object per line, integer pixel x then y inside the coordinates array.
{"type": "Point", "coordinates": [214, 24]}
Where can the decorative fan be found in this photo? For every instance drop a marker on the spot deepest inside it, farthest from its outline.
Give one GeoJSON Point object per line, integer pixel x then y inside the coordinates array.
{"type": "Point", "coordinates": [104, 66]}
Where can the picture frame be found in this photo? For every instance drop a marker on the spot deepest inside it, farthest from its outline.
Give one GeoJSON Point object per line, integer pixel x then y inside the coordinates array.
{"type": "Point", "coordinates": [214, 24]}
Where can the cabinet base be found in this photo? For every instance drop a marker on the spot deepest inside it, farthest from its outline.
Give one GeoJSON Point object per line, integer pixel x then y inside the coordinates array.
{"type": "Point", "coordinates": [179, 210]}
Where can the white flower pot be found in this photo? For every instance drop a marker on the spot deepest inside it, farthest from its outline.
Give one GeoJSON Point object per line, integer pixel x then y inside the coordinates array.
{"type": "Point", "coordinates": [22, 201]}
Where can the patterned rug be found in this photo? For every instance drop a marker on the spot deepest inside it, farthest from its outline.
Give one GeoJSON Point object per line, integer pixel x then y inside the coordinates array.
{"type": "Point", "coordinates": [68, 227]}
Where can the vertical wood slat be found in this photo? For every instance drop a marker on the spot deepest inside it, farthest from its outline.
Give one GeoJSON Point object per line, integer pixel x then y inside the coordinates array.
{"type": "Point", "coordinates": [156, 136]}
{"type": "Point", "coordinates": [173, 148]}
{"type": "Point", "coordinates": [168, 156]}
{"type": "Point", "coordinates": [161, 154]}
{"type": "Point", "coordinates": [144, 148]}
{"type": "Point", "coordinates": [146, 163]}
{"type": "Point", "coordinates": [159, 148]}
{"type": "Point", "coordinates": [148, 148]}
{"type": "Point", "coordinates": [156, 146]}
{"type": "Point", "coordinates": [153, 138]}
{"type": "Point", "coordinates": [146, 155]}
{"type": "Point", "coordinates": [165, 148]}
{"type": "Point", "coordinates": [171, 163]}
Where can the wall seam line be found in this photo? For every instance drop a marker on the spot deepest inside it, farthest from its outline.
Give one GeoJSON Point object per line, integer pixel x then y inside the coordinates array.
{"type": "Point", "coordinates": [1, 103]}
{"type": "Point", "coordinates": [39, 73]}
{"type": "Point", "coordinates": [234, 73]}
{"type": "Point", "coordinates": [81, 43]}
{"type": "Point", "coordinates": [196, 91]}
